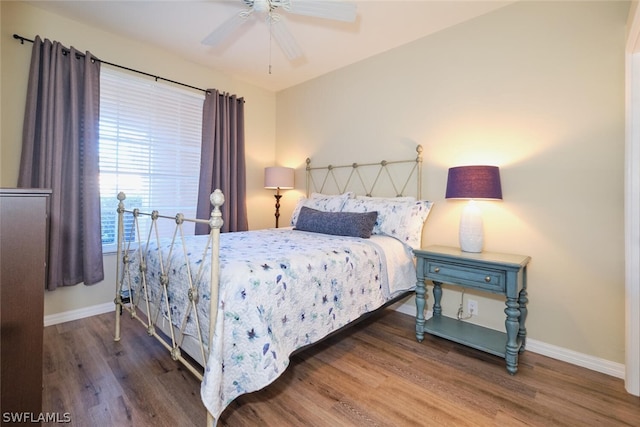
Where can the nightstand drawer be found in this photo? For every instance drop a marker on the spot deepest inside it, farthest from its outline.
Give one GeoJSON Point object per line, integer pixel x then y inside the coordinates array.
{"type": "Point", "coordinates": [471, 276]}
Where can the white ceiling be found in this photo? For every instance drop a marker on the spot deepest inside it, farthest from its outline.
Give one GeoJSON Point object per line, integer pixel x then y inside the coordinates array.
{"type": "Point", "coordinates": [180, 25]}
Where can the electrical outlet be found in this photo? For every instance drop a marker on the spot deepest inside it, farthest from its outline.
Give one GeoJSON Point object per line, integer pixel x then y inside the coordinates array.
{"type": "Point", "coordinates": [472, 307]}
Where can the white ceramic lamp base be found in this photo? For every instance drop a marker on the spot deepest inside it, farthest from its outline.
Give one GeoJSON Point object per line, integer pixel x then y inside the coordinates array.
{"type": "Point", "coordinates": [471, 228]}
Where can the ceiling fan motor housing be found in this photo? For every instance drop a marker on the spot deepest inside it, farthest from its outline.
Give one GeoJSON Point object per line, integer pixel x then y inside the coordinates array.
{"type": "Point", "coordinates": [263, 5]}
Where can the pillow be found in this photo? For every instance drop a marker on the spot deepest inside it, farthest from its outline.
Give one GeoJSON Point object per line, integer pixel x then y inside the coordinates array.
{"type": "Point", "coordinates": [406, 198]}
{"type": "Point", "coordinates": [354, 224]}
{"type": "Point", "coordinates": [402, 219]}
{"type": "Point", "coordinates": [348, 194]}
{"type": "Point", "coordinates": [321, 202]}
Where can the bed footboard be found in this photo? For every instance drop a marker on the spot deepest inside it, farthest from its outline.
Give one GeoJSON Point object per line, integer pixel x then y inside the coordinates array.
{"type": "Point", "coordinates": [136, 298]}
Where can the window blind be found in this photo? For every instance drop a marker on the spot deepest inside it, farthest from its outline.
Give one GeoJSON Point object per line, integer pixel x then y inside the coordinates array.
{"type": "Point", "coordinates": [150, 137]}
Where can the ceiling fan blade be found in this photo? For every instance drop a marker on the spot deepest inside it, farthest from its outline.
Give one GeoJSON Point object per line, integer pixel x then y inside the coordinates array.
{"type": "Point", "coordinates": [226, 29]}
{"type": "Point", "coordinates": [336, 10]}
{"type": "Point", "coordinates": [284, 38]}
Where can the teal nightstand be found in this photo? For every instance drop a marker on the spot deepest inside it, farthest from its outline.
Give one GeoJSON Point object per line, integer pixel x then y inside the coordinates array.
{"type": "Point", "coordinates": [502, 274]}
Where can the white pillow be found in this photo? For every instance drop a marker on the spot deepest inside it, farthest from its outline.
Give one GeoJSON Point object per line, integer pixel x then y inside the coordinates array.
{"type": "Point", "coordinates": [321, 202]}
{"type": "Point", "coordinates": [409, 198]}
{"type": "Point", "coordinates": [348, 195]}
{"type": "Point", "coordinates": [402, 219]}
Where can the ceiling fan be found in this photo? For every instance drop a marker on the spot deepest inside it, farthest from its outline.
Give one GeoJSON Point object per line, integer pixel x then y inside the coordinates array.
{"type": "Point", "coordinates": [327, 9]}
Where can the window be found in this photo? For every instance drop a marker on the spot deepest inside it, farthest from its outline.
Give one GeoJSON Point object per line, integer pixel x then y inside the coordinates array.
{"type": "Point", "coordinates": [150, 137]}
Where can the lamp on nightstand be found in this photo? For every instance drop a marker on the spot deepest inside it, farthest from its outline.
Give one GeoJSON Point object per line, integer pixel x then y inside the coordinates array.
{"type": "Point", "coordinates": [473, 183]}
{"type": "Point", "coordinates": [278, 178]}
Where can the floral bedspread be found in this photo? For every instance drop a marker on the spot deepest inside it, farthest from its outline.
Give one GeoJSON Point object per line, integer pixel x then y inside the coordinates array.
{"type": "Point", "coordinates": [280, 290]}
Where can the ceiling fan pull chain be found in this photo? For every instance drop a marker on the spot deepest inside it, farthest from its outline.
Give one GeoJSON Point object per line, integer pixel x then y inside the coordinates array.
{"type": "Point", "coordinates": [270, 42]}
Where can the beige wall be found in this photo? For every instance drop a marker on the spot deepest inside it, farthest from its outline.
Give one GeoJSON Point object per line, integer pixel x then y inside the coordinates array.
{"type": "Point", "coordinates": [536, 88]}
{"type": "Point", "coordinates": [28, 21]}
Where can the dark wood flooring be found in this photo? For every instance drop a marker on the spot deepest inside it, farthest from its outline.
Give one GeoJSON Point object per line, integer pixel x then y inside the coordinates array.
{"type": "Point", "coordinates": [374, 374]}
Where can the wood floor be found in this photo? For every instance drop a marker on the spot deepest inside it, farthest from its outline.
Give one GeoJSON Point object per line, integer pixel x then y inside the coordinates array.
{"type": "Point", "coordinates": [374, 374]}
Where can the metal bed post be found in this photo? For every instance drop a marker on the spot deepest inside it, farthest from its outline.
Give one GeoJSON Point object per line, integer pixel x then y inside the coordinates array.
{"type": "Point", "coordinates": [118, 298]}
{"type": "Point", "coordinates": [215, 222]}
{"type": "Point", "coordinates": [309, 177]}
{"type": "Point", "coordinates": [419, 163]}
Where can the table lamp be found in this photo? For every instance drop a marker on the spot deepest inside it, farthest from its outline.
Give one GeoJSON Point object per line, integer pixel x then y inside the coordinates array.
{"type": "Point", "coordinates": [473, 183]}
{"type": "Point", "coordinates": [278, 178]}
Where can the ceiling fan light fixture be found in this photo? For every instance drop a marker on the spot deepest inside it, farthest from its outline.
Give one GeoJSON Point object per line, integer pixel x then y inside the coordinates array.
{"type": "Point", "coordinates": [261, 5]}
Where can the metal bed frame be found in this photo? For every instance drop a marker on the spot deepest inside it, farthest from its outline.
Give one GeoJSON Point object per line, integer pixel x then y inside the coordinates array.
{"type": "Point", "coordinates": [171, 337]}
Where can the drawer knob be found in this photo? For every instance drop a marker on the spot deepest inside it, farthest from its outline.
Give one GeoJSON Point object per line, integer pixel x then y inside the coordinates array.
{"type": "Point", "coordinates": [487, 279]}
{"type": "Point", "coordinates": [437, 269]}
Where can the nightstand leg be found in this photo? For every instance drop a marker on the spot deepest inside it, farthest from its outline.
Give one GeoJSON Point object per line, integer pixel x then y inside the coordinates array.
{"type": "Point", "coordinates": [437, 297]}
{"type": "Point", "coordinates": [420, 303]}
{"type": "Point", "coordinates": [522, 332]}
{"type": "Point", "coordinates": [522, 301]}
{"type": "Point", "coordinates": [512, 325]}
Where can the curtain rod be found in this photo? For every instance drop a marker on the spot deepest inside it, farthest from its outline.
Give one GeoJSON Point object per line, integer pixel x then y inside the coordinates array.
{"type": "Point", "coordinates": [24, 39]}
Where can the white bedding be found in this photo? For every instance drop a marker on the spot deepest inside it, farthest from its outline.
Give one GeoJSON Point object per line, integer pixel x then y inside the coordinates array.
{"type": "Point", "coordinates": [280, 290]}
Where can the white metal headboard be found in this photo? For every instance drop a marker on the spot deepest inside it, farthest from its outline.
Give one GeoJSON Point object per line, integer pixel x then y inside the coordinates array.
{"type": "Point", "coordinates": [364, 178]}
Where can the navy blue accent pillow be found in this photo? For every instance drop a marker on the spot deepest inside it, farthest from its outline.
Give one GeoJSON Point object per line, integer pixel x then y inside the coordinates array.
{"type": "Point", "coordinates": [354, 224]}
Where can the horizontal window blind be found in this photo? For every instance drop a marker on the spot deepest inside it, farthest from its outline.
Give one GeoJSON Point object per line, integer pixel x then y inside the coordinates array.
{"type": "Point", "coordinates": [150, 137]}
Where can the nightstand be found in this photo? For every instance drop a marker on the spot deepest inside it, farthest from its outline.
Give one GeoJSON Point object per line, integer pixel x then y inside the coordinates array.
{"type": "Point", "coordinates": [503, 274]}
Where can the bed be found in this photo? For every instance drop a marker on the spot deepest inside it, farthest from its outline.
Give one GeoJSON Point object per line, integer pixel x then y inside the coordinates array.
{"type": "Point", "coordinates": [271, 292]}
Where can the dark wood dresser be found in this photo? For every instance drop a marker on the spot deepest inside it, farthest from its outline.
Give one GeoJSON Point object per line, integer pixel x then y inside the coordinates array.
{"type": "Point", "coordinates": [23, 257]}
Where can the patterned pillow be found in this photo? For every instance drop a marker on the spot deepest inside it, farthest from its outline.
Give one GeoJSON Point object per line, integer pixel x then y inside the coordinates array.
{"type": "Point", "coordinates": [402, 219]}
{"type": "Point", "coordinates": [392, 199]}
{"type": "Point", "coordinates": [352, 224]}
{"type": "Point", "coordinates": [348, 195]}
{"type": "Point", "coordinates": [321, 202]}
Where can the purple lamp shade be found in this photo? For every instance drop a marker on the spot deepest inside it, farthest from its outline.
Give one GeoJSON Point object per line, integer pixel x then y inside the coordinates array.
{"type": "Point", "coordinates": [474, 182]}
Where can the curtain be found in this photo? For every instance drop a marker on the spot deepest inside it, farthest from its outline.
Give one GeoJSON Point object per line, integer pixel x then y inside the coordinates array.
{"type": "Point", "coordinates": [60, 152]}
{"type": "Point", "coordinates": [222, 161]}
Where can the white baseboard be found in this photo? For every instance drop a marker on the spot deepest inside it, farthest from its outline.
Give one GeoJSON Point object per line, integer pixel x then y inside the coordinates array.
{"type": "Point", "coordinates": [81, 313]}
{"type": "Point", "coordinates": [559, 353]}
{"type": "Point", "coordinates": [580, 359]}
